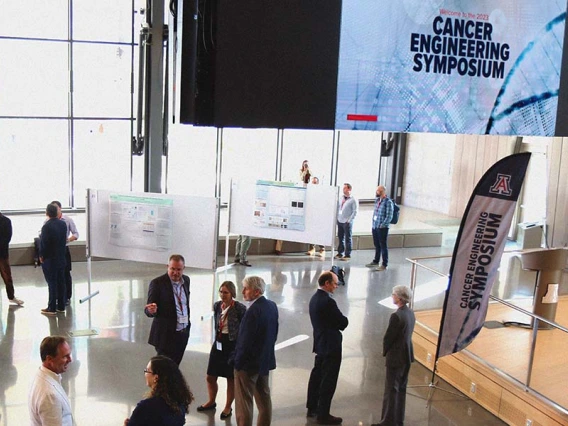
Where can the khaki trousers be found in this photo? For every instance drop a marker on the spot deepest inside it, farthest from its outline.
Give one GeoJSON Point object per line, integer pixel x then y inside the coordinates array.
{"type": "Point", "coordinates": [247, 385]}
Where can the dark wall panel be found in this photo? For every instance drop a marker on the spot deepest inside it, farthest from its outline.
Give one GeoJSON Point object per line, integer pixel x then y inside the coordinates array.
{"type": "Point", "coordinates": [267, 63]}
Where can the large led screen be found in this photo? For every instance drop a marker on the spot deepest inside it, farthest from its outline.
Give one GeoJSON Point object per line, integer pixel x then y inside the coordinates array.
{"type": "Point", "coordinates": [463, 67]}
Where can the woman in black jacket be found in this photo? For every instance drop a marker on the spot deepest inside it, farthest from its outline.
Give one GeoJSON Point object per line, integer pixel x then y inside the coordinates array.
{"type": "Point", "coordinates": [228, 314]}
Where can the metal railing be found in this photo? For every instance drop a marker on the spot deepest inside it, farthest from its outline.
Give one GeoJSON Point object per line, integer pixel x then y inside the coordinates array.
{"type": "Point", "coordinates": [417, 263]}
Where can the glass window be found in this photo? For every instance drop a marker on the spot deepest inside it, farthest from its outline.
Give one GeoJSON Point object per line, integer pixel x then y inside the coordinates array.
{"type": "Point", "coordinates": [313, 145]}
{"type": "Point", "coordinates": [137, 183]}
{"type": "Point", "coordinates": [38, 78]}
{"type": "Point", "coordinates": [248, 154]}
{"type": "Point", "coordinates": [359, 156]}
{"type": "Point", "coordinates": [428, 173]}
{"type": "Point", "coordinates": [34, 165]}
{"type": "Point", "coordinates": [191, 160]}
{"type": "Point", "coordinates": [102, 20]}
{"type": "Point", "coordinates": [101, 74]}
{"type": "Point", "coordinates": [34, 18]}
{"type": "Point", "coordinates": [534, 194]}
{"type": "Point", "coordinates": [101, 156]}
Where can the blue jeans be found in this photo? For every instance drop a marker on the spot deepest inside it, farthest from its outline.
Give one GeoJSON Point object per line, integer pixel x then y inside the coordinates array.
{"type": "Point", "coordinates": [344, 234]}
{"type": "Point", "coordinates": [380, 236]}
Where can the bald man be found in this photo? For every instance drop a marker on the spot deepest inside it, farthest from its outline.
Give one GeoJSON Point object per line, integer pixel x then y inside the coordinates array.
{"type": "Point", "coordinates": [382, 216]}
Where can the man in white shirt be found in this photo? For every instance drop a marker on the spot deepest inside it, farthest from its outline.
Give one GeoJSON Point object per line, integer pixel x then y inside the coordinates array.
{"type": "Point", "coordinates": [47, 401]}
{"type": "Point", "coordinates": [346, 211]}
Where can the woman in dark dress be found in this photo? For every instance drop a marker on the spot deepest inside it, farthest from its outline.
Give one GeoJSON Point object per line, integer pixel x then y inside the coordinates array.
{"type": "Point", "coordinates": [228, 314]}
{"type": "Point", "coordinates": [169, 397]}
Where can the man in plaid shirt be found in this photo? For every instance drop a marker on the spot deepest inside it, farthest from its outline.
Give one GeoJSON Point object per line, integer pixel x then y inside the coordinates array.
{"type": "Point", "coordinates": [382, 216]}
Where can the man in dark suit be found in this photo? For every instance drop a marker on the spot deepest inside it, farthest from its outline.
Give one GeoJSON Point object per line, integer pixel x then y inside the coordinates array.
{"type": "Point", "coordinates": [327, 322]}
{"type": "Point", "coordinates": [397, 348]}
{"type": "Point", "coordinates": [254, 354]}
{"type": "Point", "coordinates": [52, 257]}
{"type": "Point", "coordinates": [168, 304]}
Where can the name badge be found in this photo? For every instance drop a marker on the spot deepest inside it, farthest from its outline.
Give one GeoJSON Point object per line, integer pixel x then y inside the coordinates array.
{"type": "Point", "coordinates": [219, 345]}
{"type": "Point", "coordinates": [183, 320]}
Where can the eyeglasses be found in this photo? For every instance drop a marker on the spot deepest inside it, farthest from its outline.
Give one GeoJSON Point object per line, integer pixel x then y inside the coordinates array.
{"type": "Point", "coordinates": [148, 371]}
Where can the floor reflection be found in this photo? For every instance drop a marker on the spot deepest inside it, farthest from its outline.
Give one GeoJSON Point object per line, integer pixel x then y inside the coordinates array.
{"type": "Point", "coordinates": [106, 380]}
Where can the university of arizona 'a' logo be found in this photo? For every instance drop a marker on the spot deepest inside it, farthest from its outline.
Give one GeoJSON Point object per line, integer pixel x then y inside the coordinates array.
{"type": "Point", "coordinates": [502, 185]}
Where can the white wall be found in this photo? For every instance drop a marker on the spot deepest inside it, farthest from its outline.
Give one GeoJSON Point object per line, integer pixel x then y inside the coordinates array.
{"type": "Point", "coordinates": [428, 171]}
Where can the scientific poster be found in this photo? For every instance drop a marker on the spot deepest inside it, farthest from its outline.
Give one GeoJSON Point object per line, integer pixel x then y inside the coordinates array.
{"type": "Point", "coordinates": [280, 205]}
{"type": "Point", "coordinates": [141, 222]}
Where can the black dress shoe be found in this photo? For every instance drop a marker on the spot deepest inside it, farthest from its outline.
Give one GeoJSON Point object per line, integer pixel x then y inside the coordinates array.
{"type": "Point", "coordinates": [245, 263]}
{"type": "Point", "coordinates": [226, 416]}
{"type": "Point", "coordinates": [329, 420]}
{"type": "Point", "coordinates": [207, 408]}
{"type": "Point", "coordinates": [311, 413]}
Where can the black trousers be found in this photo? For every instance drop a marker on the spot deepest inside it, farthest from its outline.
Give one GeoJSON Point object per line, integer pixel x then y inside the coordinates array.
{"type": "Point", "coordinates": [68, 279]}
{"type": "Point", "coordinates": [394, 399]}
{"type": "Point", "coordinates": [53, 273]}
{"type": "Point", "coordinates": [6, 274]}
{"type": "Point", "coordinates": [323, 382]}
{"type": "Point", "coordinates": [176, 347]}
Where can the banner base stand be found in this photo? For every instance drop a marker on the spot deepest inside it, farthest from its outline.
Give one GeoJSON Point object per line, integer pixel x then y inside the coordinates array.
{"type": "Point", "coordinates": [517, 324]}
{"type": "Point", "coordinates": [432, 387]}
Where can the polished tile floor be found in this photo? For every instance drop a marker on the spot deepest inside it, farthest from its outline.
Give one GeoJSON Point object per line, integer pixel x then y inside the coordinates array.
{"type": "Point", "coordinates": [106, 380]}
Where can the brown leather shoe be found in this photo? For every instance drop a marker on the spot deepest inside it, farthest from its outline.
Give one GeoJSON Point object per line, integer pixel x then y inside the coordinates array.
{"type": "Point", "coordinates": [329, 420]}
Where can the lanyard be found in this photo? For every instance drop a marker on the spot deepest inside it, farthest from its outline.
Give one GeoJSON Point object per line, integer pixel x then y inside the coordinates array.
{"type": "Point", "coordinates": [178, 296]}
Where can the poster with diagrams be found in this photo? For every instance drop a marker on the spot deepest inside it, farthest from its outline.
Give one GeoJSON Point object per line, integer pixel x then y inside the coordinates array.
{"type": "Point", "coordinates": [141, 222]}
{"type": "Point", "coordinates": [280, 205]}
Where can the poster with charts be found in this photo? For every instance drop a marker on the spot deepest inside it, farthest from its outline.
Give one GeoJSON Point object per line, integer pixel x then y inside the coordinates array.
{"type": "Point", "coordinates": [141, 222]}
{"type": "Point", "coordinates": [451, 66]}
{"type": "Point", "coordinates": [280, 205]}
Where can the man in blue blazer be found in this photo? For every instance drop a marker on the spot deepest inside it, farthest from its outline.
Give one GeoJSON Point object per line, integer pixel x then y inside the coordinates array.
{"type": "Point", "coordinates": [168, 304]}
{"type": "Point", "coordinates": [399, 353]}
{"type": "Point", "coordinates": [327, 322]}
{"type": "Point", "coordinates": [52, 245]}
{"type": "Point", "coordinates": [254, 354]}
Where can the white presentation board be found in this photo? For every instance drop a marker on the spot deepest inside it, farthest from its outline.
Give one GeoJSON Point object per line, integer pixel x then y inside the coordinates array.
{"type": "Point", "coordinates": [320, 213]}
{"type": "Point", "coordinates": [149, 227]}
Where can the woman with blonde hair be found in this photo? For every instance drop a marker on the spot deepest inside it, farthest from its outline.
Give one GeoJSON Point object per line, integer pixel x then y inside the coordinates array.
{"type": "Point", "coordinates": [228, 314]}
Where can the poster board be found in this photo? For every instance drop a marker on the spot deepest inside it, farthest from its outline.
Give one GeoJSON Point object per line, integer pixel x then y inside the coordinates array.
{"type": "Point", "coordinates": [319, 216]}
{"type": "Point", "coordinates": [149, 227]}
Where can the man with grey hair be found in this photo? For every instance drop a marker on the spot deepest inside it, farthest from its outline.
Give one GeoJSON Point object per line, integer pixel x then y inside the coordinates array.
{"type": "Point", "coordinates": [47, 401]}
{"type": "Point", "coordinates": [397, 348]}
{"type": "Point", "coordinates": [254, 354]}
